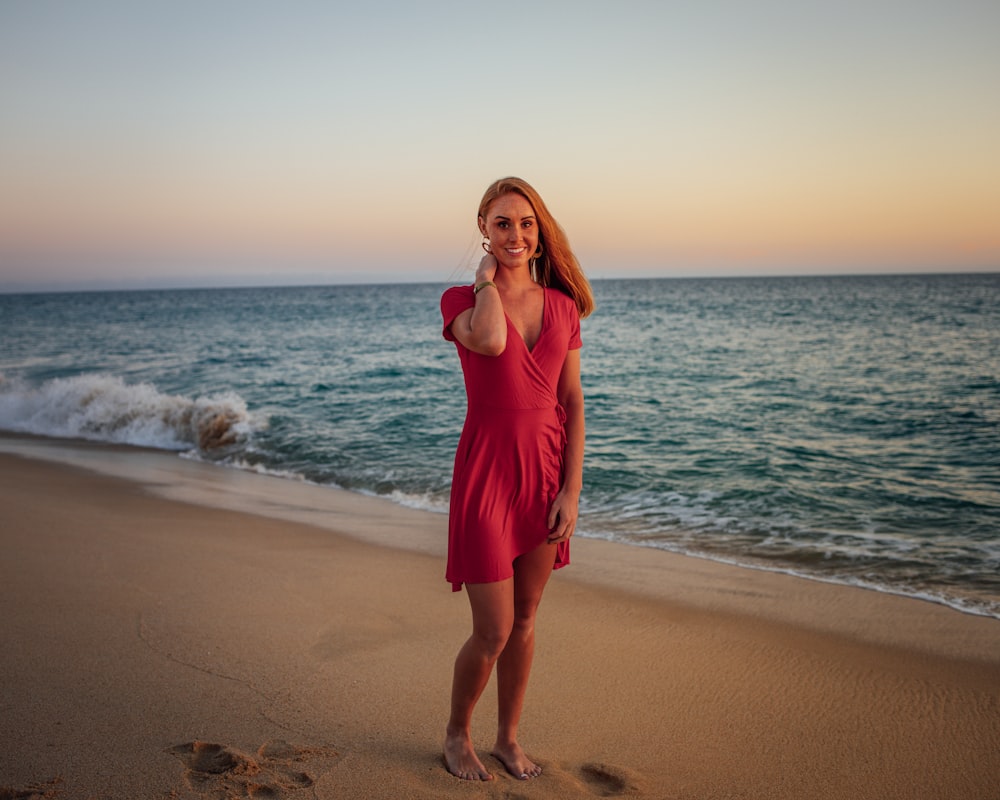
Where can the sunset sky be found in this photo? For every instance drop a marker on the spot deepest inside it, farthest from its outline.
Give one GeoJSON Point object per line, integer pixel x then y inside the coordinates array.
{"type": "Point", "coordinates": [248, 143]}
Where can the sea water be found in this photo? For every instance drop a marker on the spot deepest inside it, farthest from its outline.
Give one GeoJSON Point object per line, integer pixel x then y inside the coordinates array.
{"type": "Point", "coordinates": [840, 428]}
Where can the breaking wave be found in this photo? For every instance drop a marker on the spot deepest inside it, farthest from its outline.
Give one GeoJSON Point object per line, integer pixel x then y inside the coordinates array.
{"type": "Point", "coordinates": [105, 408]}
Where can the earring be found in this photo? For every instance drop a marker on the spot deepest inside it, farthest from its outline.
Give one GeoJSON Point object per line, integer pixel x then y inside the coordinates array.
{"type": "Point", "coordinates": [536, 255]}
{"type": "Point", "coordinates": [533, 261]}
{"type": "Point", "coordinates": [486, 245]}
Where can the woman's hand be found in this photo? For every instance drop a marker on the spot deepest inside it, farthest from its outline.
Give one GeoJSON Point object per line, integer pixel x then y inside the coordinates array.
{"type": "Point", "coordinates": [562, 517]}
{"type": "Point", "coordinates": [487, 270]}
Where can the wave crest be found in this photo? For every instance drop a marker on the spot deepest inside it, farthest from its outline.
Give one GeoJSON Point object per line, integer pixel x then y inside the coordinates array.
{"type": "Point", "coordinates": [105, 408]}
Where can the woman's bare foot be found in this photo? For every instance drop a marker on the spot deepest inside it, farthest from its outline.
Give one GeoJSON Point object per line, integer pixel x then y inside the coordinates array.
{"type": "Point", "coordinates": [515, 761]}
{"type": "Point", "coordinates": [461, 760]}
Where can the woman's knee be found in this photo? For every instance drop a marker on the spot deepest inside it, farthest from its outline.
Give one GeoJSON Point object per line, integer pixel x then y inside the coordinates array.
{"type": "Point", "coordinates": [493, 613]}
{"type": "Point", "coordinates": [491, 639]}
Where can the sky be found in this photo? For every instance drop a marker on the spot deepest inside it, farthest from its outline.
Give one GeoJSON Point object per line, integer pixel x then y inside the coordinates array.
{"type": "Point", "coordinates": [239, 142]}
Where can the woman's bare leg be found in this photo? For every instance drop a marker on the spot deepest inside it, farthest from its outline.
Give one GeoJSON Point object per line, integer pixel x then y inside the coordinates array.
{"type": "Point", "coordinates": [531, 573]}
{"type": "Point", "coordinates": [492, 620]}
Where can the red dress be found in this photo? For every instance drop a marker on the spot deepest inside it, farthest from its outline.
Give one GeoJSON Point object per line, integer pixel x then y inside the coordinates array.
{"type": "Point", "coordinates": [509, 463]}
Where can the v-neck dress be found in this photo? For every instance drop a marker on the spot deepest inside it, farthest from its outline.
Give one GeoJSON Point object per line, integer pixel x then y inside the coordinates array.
{"type": "Point", "coordinates": [509, 462]}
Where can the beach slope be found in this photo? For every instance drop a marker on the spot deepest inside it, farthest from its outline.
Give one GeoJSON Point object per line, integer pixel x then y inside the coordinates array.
{"type": "Point", "coordinates": [159, 647]}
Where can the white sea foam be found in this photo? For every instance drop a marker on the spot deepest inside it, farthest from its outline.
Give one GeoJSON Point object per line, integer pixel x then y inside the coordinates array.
{"type": "Point", "coordinates": [104, 408]}
{"type": "Point", "coordinates": [425, 501]}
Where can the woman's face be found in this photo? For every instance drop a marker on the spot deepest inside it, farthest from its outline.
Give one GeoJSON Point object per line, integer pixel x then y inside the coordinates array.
{"type": "Point", "coordinates": [512, 228]}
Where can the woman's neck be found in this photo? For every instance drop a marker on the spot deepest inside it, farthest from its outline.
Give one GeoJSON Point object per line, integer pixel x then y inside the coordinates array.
{"type": "Point", "coordinates": [514, 279]}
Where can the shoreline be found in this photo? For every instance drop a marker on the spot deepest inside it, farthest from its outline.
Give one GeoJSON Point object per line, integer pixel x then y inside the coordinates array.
{"type": "Point", "coordinates": [699, 581]}
{"type": "Point", "coordinates": [181, 631]}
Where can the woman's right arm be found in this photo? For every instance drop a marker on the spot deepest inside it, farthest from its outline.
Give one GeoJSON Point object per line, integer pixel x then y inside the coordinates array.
{"type": "Point", "coordinates": [483, 328]}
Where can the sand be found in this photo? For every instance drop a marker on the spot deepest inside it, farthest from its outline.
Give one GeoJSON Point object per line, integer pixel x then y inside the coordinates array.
{"type": "Point", "coordinates": [175, 630]}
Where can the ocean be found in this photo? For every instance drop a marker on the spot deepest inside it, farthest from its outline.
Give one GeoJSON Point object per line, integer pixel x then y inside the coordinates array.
{"type": "Point", "coordinates": [844, 429]}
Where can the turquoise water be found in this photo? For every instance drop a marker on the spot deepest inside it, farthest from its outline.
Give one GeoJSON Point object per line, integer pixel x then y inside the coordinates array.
{"type": "Point", "coordinates": [842, 428]}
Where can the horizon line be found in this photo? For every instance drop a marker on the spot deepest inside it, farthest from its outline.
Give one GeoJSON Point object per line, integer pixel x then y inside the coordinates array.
{"type": "Point", "coordinates": [97, 286]}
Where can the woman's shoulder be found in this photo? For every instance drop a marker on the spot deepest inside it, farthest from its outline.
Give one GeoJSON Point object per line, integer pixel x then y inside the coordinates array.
{"type": "Point", "coordinates": [561, 301]}
{"type": "Point", "coordinates": [454, 301]}
{"type": "Point", "coordinates": [564, 314]}
{"type": "Point", "coordinates": [457, 295]}
{"type": "Point", "coordinates": [458, 291]}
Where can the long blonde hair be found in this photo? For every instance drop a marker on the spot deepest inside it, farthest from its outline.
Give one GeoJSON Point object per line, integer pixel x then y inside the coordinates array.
{"type": "Point", "coordinates": [556, 266]}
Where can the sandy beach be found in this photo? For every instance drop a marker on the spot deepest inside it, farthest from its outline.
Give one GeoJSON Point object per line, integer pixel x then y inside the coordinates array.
{"type": "Point", "coordinates": [177, 630]}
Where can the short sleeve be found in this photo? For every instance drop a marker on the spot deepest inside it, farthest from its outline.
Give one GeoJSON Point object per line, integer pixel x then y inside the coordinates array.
{"type": "Point", "coordinates": [453, 302]}
{"type": "Point", "coordinates": [575, 340]}
{"type": "Point", "coordinates": [569, 319]}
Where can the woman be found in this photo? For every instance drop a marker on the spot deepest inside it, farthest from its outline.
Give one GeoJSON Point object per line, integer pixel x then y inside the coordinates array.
{"type": "Point", "coordinates": [519, 465]}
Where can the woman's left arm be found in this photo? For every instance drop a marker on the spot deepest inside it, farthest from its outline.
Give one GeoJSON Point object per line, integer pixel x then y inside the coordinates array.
{"type": "Point", "coordinates": [565, 508]}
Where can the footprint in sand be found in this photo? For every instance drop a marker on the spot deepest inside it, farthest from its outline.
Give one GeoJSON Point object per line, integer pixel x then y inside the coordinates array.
{"type": "Point", "coordinates": [605, 780]}
{"type": "Point", "coordinates": [593, 779]}
{"type": "Point", "coordinates": [272, 772]}
{"type": "Point", "coordinates": [36, 791]}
